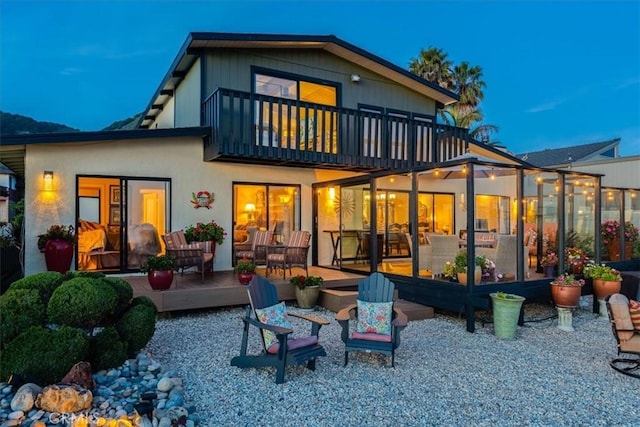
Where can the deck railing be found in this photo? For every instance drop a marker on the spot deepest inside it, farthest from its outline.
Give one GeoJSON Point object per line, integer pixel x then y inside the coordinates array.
{"type": "Point", "coordinates": [250, 126]}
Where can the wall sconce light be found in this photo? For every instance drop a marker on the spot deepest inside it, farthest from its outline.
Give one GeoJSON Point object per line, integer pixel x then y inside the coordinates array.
{"type": "Point", "coordinates": [47, 177]}
{"type": "Point", "coordinates": [355, 78]}
{"type": "Point", "coordinates": [332, 193]}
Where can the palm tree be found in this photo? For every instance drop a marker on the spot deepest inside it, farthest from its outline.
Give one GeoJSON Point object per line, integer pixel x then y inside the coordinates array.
{"type": "Point", "coordinates": [432, 64]}
{"type": "Point", "coordinates": [466, 80]}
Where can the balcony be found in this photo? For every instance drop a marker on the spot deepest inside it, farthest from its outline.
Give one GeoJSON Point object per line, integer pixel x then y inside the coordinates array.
{"type": "Point", "coordinates": [250, 128]}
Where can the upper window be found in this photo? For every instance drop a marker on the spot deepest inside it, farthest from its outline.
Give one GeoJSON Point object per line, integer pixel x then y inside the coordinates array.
{"type": "Point", "coordinates": [296, 89]}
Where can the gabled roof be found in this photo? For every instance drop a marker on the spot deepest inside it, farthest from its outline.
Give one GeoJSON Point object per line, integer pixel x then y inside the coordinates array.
{"type": "Point", "coordinates": [567, 155]}
{"type": "Point", "coordinates": [197, 42]}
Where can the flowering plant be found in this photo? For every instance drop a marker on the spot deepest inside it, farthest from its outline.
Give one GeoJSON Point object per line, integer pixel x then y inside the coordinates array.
{"type": "Point", "coordinates": [574, 255]}
{"type": "Point", "coordinates": [301, 282]}
{"type": "Point", "coordinates": [202, 232]}
{"type": "Point", "coordinates": [57, 232]}
{"type": "Point", "coordinates": [630, 232]}
{"type": "Point", "coordinates": [158, 263]}
{"type": "Point", "coordinates": [549, 260]}
{"type": "Point", "coordinates": [609, 230]}
{"type": "Point", "coordinates": [601, 272]}
{"type": "Point", "coordinates": [449, 269]}
{"type": "Point", "coordinates": [489, 272]}
{"type": "Point", "coordinates": [567, 280]}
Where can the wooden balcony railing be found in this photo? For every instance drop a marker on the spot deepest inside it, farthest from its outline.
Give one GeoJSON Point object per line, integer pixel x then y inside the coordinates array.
{"type": "Point", "coordinates": [264, 129]}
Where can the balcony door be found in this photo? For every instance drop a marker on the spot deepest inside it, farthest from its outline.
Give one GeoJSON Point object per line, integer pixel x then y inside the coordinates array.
{"type": "Point", "coordinates": [300, 121]}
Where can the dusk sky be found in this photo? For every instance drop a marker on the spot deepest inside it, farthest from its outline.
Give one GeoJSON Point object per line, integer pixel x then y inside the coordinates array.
{"type": "Point", "coordinates": [557, 73]}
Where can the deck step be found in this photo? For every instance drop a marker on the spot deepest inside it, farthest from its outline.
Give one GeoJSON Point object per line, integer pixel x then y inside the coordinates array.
{"type": "Point", "coordinates": [335, 300]}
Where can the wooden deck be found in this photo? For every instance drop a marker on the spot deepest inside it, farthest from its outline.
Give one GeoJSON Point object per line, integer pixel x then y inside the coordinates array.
{"type": "Point", "coordinates": [222, 289]}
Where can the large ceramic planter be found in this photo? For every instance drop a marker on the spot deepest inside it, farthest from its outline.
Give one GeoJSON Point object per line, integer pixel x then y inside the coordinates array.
{"type": "Point", "coordinates": [307, 297]}
{"type": "Point", "coordinates": [602, 288]}
{"type": "Point", "coordinates": [477, 276]}
{"type": "Point", "coordinates": [58, 255]}
{"type": "Point", "coordinates": [245, 278]}
{"type": "Point", "coordinates": [566, 296]}
{"type": "Point", "coordinates": [160, 280]}
{"type": "Point", "coordinates": [614, 250]}
{"type": "Point", "coordinates": [506, 312]}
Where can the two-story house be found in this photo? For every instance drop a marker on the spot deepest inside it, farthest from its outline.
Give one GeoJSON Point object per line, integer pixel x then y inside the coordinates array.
{"type": "Point", "coordinates": [291, 132]}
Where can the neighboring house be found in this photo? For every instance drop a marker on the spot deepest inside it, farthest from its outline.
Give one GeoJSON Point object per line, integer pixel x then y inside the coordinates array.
{"type": "Point", "coordinates": [8, 193]}
{"type": "Point", "coordinates": [292, 132]}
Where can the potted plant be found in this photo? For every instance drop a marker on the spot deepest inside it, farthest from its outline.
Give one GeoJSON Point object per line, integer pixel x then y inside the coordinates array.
{"type": "Point", "coordinates": [610, 233]}
{"type": "Point", "coordinates": [57, 245]}
{"type": "Point", "coordinates": [549, 262]}
{"type": "Point", "coordinates": [460, 267]}
{"type": "Point", "coordinates": [575, 258]}
{"type": "Point", "coordinates": [206, 232]}
{"type": "Point", "coordinates": [506, 312]}
{"type": "Point", "coordinates": [606, 280]}
{"type": "Point", "coordinates": [566, 291]}
{"type": "Point", "coordinates": [159, 271]}
{"type": "Point", "coordinates": [245, 270]}
{"type": "Point", "coordinates": [307, 289]}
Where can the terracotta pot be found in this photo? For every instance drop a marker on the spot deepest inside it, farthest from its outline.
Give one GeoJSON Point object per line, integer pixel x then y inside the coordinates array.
{"type": "Point", "coordinates": [160, 280]}
{"type": "Point", "coordinates": [58, 255]}
{"type": "Point", "coordinates": [245, 278]}
{"type": "Point", "coordinates": [577, 267]}
{"type": "Point", "coordinates": [566, 296]}
{"type": "Point", "coordinates": [307, 297]}
{"type": "Point", "coordinates": [614, 250]}
{"type": "Point", "coordinates": [477, 276]}
{"type": "Point", "coordinates": [602, 288]}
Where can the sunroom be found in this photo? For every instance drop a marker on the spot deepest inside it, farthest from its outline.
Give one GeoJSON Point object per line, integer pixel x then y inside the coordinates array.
{"type": "Point", "coordinates": [413, 225]}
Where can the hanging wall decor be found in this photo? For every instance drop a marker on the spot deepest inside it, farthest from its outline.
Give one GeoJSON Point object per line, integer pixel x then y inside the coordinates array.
{"type": "Point", "coordinates": [202, 199]}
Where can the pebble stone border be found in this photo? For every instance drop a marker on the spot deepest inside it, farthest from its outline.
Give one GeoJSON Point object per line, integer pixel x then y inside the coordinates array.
{"type": "Point", "coordinates": [116, 394]}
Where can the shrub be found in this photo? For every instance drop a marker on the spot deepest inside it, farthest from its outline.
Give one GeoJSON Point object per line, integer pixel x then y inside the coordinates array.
{"type": "Point", "coordinates": [72, 274]}
{"type": "Point", "coordinates": [137, 326]}
{"type": "Point", "coordinates": [107, 350]}
{"type": "Point", "coordinates": [142, 300]}
{"type": "Point", "coordinates": [19, 309]}
{"type": "Point", "coordinates": [44, 354]}
{"type": "Point", "coordinates": [45, 283]}
{"type": "Point", "coordinates": [82, 302]}
{"type": "Point", "coordinates": [123, 290]}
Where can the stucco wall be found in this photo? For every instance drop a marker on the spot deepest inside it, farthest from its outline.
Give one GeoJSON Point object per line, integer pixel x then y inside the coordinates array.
{"type": "Point", "coordinates": [178, 159]}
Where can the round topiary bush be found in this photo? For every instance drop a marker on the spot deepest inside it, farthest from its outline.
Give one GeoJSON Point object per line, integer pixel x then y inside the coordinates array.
{"type": "Point", "coordinates": [44, 355]}
{"type": "Point", "coordinates": [45, 283]}
{"type": "Point", "coordinates": [124, 291]}
{"type": "Point", "coordinates": [142, 300]}
{"type": "Point", "coordinates": [137, 326]}
{"type": "Point", "coordinates": [19, 309]}
{"type": "Point", "coordinates": [82, 302]}
{"type": "Point", "coordinates": [107, 350]}
{"type": "Point", "coordinates": [72, 274]}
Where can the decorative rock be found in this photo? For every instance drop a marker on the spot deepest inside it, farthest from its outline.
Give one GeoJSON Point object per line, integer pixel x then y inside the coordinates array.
{"type": "Point", "coordinates": [16, 415]}
{"type": "Point", "coordinates": [165, 384]}
{"type": "Point", "coordinates": [145, 422]}
{"type": "Point", "coordinates": [164, 422]}
{"type": "Point", "coordinates": [25, 397]}
{"type": "Point", "coordinates": [64, 398]}
{"type": "Point", "coordinates": [80, 374]}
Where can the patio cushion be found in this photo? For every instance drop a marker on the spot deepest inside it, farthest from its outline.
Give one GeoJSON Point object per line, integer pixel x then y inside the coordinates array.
{"type": "Point", "coordinates": [294, 343]}
{"type": "Point", "coordinates": [275, 315]}
{"type": "Point", "coordinates": [371, 337]}
{"type": "Point", "coordinates": [634, 312]}
{"type": "Point", "coordinates": [374, 317]}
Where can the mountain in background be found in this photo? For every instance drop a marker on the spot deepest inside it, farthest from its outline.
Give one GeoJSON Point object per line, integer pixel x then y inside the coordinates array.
{"type": "Point", "coordinates": [15, 124]}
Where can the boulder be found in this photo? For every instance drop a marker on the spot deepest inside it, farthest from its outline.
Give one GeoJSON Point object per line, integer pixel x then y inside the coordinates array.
{"type": "Point", "coordinates": [80, 374]}
{"type": "Point", "coordinates": [64, 398]}
{"type": "Point", "coordinates": [25, 397]}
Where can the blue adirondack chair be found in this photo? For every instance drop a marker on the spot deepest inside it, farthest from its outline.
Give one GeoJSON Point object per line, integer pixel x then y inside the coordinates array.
{"type": "Point", "coordinates": [280, 348]}
{"type": "Point", "coordinates": [378, 322]}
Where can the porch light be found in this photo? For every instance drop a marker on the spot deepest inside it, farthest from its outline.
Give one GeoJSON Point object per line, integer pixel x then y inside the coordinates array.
{"type": "Point", "coordinates": [355, 78]}
{"type": "Point", "coordinates": [48, 180]}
